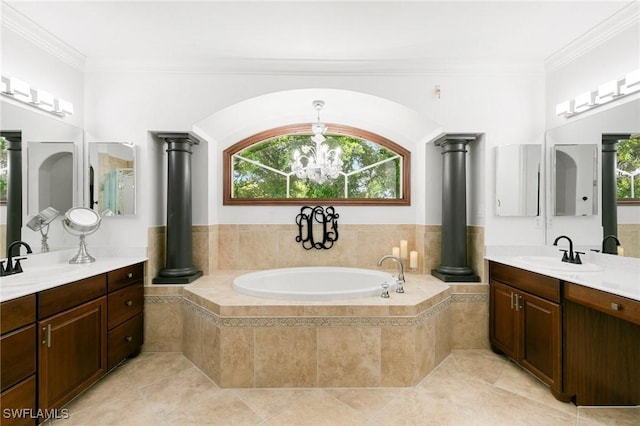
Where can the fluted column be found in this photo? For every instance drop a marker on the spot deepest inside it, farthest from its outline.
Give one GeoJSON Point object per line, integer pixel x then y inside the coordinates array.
{"type": "Point", "coordinates": [453, 266]}
{"type": "Point", "coordinates": [179, 267]}
{"type": "Point", "coordinates": [609, 189]}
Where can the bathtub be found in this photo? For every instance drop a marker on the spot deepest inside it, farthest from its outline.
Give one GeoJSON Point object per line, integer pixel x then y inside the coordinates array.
{"type": "Point", "coordinates": [314, 283]}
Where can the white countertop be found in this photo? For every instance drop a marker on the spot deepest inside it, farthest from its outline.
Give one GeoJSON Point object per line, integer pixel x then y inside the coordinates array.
{"type": "Point", "coordinates": [45, 271]}
{"type": "Point", "coordinates": [613, 274]}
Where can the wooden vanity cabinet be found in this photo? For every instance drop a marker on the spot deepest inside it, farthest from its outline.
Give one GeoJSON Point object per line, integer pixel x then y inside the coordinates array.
{"type": "Point", "coordinates": [525, 322]}
{"type": "Point", "coordinates": [602, 347]}
{"type": "Point", "coordinates": [18, 361]}
{"type": "Point", "coordinates": [72, 340]}
{"type": "Point", "coordinates": [125, 318]}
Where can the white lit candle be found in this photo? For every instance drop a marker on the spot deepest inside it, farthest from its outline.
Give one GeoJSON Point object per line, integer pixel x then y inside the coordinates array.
{"type": "Point", "coordinates": [413, 259]}
{"type": "Point", "coordinates": [395, 251]}
{"type": "Point", "coordinates": [620, 251]}
{"type": "Point", "coordinates": [403, 249]}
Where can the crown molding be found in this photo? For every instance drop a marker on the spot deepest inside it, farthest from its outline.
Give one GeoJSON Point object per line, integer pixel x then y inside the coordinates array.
{"type": "Point", "coordinates": [270, 66]}
{"type": "Point", "coordinates": [625, 18]}
{"type": "Point", "coordinates": [29, 30]}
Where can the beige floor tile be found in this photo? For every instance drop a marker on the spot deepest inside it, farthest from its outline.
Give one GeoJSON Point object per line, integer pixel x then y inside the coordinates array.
{"type": "Point", "coordinates": [268, 402]}
{"type": "Point", "coordinates": [517, 380]}
{"type": "Point", "coordinates": [414, 407]}
{"type": "Point", "coordinates": [151, 367]}
{"type": "Point", "coordinates": [505, 408]}
{"type": "Point", "coordinates": [221, 408]}
{"type": "Point", "coordinates": [178, 392]}
{"type": "Point", "coordinates": [114, 386]}
{"type": "Point", "coordinates": [605, 416]}
{"type": "Point", "coordinates": [366, 400]}
{"type": "Point", "coordinates": [317, 408]}
{"type": "Point", "coordinates": [130, 412]}
{"type": "Point", "coordinates": [481, 364]}
{"type": "Point", "coordinates": [450, 385]}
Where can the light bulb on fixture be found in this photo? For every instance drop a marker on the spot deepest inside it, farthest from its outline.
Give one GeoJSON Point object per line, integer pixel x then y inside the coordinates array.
{"type": "Point", "coordinates": [321, 163]}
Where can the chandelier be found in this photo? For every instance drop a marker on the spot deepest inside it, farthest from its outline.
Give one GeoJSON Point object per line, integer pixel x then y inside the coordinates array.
{"type": "Point", "coordinates": [320, 163]}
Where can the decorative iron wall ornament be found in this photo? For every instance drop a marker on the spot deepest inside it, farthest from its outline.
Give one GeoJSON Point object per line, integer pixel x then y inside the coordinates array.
{"type": "Point", "coordinates": [328, 218]}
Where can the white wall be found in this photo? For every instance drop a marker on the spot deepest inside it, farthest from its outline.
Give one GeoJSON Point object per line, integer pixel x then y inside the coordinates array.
{"type": "Point", "coordinates": [126, 106]}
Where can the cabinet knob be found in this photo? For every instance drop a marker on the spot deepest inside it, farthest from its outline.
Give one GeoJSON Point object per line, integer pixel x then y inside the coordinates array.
{"type": "Point", "coordinates": [616, 306]}
{"type": "Point", "coordinates": [129, 338]}
{"type": "Point", "coordinates": [130, 275]}
{"type": "Point", "coordinates": [129, 302]}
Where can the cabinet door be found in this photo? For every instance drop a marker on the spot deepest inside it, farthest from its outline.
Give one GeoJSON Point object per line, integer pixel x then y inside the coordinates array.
{"type": "Point", "coordinates": [541, 338]}
{"type": "Point", "coordinates": [73, 352]}
{"type": "Point", "coordinates": [503, 325]}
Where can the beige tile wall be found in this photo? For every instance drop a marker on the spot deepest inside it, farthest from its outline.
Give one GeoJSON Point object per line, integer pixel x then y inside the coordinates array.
{"type": "Point", "coordinates": [629, 236]}
{"type": "Point", "coordinates": [233, 247]}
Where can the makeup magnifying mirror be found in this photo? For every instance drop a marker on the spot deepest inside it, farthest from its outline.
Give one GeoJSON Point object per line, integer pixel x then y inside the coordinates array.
{"type": "Point", "coordinates": [81, 221]}
{"type": "Point", "coordinates": [41, 222]}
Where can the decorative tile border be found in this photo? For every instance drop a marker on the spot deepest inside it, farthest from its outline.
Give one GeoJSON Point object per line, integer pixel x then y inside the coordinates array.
{"type": "Point", "coordinates": [469, 297]}
{"type": "Point", "coordinates": [313, 321]}
{"type": "Point", "coordinates": [163, 299]}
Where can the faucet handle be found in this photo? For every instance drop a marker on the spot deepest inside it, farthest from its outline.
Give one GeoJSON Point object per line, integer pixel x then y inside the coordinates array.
{"type": "Point", "coordinates": [385, 290]}
{"type": "Point", "coordinates": [399, 285]}
{"type": "Point", "coordinates": [2, 270]}
{"type": "Point", "coordinates": [565, 256]}
{"type": "Point", "coordinates": [577, 259]}
{"type": "Point", "coordinates": [17, 267]}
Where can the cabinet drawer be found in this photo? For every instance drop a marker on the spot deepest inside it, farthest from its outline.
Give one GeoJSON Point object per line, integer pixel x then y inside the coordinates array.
{"type": "Point", "coordinates": [124, 340]}
{"type": "Point", "coordinates": [617, 306]}
{"type": "Point", "coordinates": [536, 284]}
{"type": "Point", "coordinates": [124, 304]}
{"type": "Point", "coordinates": [67, 296]}
{"type": "Point", "coordinates": [124, 276]}
{"type": "Point", "coordinates": [17, 356]}
{"type": "Point", "coordinates": [17, 312]}
{"type": "Point", "coordinates": [21, 401]}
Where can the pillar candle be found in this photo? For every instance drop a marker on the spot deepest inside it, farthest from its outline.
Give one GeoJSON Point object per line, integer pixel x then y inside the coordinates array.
{"type": "Point", "coordinates": [413, 259]}
{"type": "Point", "coordinates": [395, 251]}
{"type": "Point", "coordinates": [403, 249]}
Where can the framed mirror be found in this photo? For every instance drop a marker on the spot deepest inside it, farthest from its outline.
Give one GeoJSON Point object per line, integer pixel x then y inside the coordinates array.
{"type": "Point", "coordinates": [575, 180]}
{"type": "Point", "coordinates": [26, 127]}
{"type": "Point", "coordinates": [518, 180]}
{"type": "Point", "coordinates": [112, 178]}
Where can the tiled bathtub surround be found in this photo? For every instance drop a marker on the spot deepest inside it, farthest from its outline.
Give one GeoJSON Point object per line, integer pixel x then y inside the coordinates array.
{"type": "Point", "coordinates": [250, 247]}
{"type": "Point", "coordinates": [244, 341]}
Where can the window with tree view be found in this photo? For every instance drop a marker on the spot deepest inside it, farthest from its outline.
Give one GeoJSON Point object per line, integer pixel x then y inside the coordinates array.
{"type": "Point", "coordinates": [258, 170]}
{"type": "Point", "coordinates": [628, 170]}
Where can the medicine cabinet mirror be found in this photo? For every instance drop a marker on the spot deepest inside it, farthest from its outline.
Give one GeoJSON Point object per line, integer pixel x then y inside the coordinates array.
{"type": "Point", "coordinates": [112, 178]}
{"type": "Point", "coordinates": [575, 180]}
{"type": "Point", "coordinates": [518, 180]}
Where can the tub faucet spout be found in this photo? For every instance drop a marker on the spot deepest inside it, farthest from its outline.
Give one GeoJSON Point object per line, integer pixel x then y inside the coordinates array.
{"type": "Point", "coordinates": [400, 280]}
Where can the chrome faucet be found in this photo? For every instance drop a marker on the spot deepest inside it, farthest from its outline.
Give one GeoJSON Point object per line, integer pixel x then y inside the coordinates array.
{"type": "Point", "coordinates": [571, 257]}
{"type": "Point", "coordinates": [400, 280]}
{"type": "Point", "coordinates": [12, 268]}
{"type": "Point", "coordinates": [608, 237]}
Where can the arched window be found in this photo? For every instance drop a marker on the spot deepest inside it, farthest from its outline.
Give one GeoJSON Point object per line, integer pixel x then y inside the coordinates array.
{"type": "Point", "coordinates": [258, 170]}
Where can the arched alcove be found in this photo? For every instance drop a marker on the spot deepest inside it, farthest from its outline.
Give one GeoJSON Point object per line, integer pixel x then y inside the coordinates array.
{"type": "Point", "coordinates": [387, 118]}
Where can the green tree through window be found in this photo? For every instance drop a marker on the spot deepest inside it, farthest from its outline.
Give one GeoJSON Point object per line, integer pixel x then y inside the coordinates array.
{"type": "Point", "coordinates": [628, 169]}
{"type": "Point", "coordinates": [260, 172]}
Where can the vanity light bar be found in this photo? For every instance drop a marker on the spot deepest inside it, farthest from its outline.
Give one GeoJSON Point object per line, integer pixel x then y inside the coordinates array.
{"type": "Point", "coordinates": [606, 92]}
{"type": "Point", "coordinates": [43, 100]}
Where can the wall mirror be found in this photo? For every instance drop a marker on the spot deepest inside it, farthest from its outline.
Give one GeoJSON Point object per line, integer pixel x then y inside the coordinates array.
{"type": "Point", "coordinates": [35, 127]}
{"type": "Point", "coordinates": [51, 176]}
{"type": "Point", "coordinates": [518, 180]}
{"type": "Point", "coordinates": [575, 180]}
{"type": "Point", "coordinates": [112, 178]}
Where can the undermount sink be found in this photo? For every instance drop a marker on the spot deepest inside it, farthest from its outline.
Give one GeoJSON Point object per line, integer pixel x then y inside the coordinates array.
{"type": "Point", "coordinates": [556, 264]}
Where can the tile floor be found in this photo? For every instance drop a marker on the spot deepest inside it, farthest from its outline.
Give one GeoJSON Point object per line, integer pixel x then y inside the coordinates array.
{"type": "Point", "coordinates": [470, 387]}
